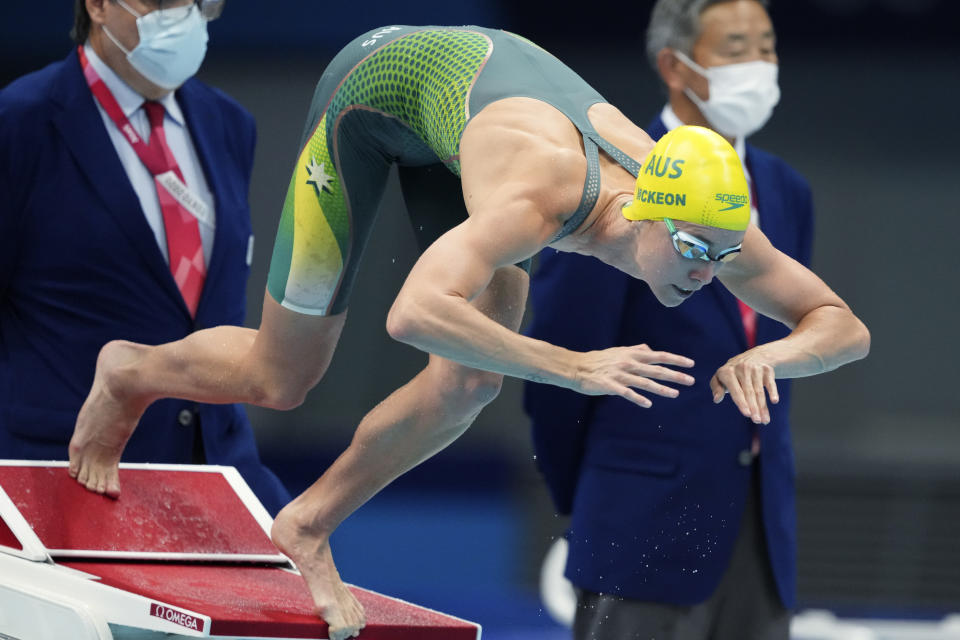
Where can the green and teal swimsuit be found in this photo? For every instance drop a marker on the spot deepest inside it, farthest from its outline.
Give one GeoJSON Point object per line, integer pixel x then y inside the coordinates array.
{"type": "Point", "coordinates": [403, 95]}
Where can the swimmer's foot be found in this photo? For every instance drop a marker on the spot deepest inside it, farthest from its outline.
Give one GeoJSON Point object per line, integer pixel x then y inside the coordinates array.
{"type": "Point", "coordinates": [105, 423]}
{"type": "Point", "coordinates": [295, 536]}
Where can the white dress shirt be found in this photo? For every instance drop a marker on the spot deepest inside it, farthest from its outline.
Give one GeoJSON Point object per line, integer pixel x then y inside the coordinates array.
{"type": "Point", "coordinates": [179, 141]}
{"type": "Point", "coordinates": [671, 121]}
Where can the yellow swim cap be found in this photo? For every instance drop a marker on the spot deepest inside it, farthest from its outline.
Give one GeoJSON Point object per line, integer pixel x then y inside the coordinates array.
{"type": "Point", "coordinates": [692, 174]}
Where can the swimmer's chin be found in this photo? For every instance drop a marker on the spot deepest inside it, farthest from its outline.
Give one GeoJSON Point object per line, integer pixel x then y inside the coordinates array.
{"type": "Point", "coordinates": [671, 296]}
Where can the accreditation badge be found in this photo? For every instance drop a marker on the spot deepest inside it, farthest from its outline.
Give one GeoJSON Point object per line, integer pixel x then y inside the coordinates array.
{"type": "Point", "coordinates": [188, 199]}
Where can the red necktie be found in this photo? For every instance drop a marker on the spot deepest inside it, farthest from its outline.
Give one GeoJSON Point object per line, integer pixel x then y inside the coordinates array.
{"type": "Point", "coordinates": [183, 231]}
{"type": "Point", "coordinates": [749, 317]}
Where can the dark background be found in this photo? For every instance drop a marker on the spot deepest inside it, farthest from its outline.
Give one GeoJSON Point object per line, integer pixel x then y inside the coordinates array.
{"type": "Point", "coordinates": [869, 114]}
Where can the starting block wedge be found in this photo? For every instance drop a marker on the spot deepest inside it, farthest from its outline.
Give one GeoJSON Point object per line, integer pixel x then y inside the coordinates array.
{"type": "Point", "coordinates": [184, 552]}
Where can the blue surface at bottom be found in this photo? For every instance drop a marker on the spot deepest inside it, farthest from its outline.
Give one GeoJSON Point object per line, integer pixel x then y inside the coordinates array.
{"type": "Point", "coordinates": [448, 552]}
{"type": "Point", "coordinates": [447, 536]}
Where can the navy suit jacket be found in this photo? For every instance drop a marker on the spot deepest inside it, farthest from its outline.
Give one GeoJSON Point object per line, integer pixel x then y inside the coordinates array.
{"type": "Point", "coordinates": [656, 495]}
{"type": "Point", "coordinates": [79, 266]}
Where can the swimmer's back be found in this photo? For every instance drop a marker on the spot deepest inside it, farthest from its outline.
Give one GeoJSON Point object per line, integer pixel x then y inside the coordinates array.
{"type": "Point", "coordinates": [436, 79]}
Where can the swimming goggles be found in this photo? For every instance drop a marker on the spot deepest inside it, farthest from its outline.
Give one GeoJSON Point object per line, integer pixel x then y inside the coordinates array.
{"type": "Point", "coordinates": [694, 248]}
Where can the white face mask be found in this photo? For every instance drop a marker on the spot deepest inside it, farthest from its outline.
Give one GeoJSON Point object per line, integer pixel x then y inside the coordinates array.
{"type": "Point", "coordinates": [172, 44]}
{"type": "Point", "coordinates": [742, 95]}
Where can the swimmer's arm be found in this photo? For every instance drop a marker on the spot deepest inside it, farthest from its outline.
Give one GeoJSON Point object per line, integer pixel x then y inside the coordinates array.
{"type": "Point", "coordinates": [825, 332]}
{"type": "Point", "coordinates": [433, 313]}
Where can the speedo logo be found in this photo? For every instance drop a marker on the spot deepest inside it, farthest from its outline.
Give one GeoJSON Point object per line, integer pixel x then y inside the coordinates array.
{"type": "Point", "coordinates": [735, 200]}
{"type": "Point", "coordinates": [659, 165]}
{"type": "Point", "coordinates": [660, 197]}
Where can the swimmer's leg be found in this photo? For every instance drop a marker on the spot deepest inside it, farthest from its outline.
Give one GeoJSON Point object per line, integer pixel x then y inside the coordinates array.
{"type": "Point", "coordinates": [316, 255]}
{"type": "Point", "coordinates": [412, 424]}
{"type": "Point", "coordinates": [271, 367]}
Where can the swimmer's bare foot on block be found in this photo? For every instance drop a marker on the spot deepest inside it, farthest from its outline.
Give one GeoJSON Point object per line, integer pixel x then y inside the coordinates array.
{"type": "Point", "coordinates": [105, 423]}
{"type": "Point", "coordinates": [299, 538]}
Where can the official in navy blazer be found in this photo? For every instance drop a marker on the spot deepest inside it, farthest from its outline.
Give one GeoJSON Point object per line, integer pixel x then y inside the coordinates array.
{"type": "Point", "coordinates": [81, 265]}
{"type": "Point", "coordinates": [657, 496]}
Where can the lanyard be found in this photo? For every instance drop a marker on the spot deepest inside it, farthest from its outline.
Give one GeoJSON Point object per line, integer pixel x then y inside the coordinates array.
{"type": "Point", "coordinates": [154, 157]}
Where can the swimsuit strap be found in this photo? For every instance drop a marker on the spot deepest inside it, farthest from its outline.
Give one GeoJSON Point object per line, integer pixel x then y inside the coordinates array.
{"type": "Point", "coordinates": [591, 188]}
{"type": "Point", "coordinates": [591, 185]}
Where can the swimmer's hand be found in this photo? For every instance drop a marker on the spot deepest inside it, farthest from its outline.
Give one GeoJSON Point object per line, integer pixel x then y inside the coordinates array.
{"type": "Point", "coordinates": [619, 370]}
{"type": "Point", "coordinates": [749, 379]}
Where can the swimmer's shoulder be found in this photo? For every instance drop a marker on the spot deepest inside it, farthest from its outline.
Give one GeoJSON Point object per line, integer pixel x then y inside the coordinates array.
{"type": "Point", "coordinates": [528, 154]}
{"type": "Point", "coordinates": [620, 131]}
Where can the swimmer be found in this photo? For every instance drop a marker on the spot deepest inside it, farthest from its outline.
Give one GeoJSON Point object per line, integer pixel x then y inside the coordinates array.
{"type": "Point", "coordinates": [503, 150]}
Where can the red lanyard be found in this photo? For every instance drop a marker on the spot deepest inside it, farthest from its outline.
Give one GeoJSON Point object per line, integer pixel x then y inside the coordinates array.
{"type": "Point", "coordinates": [153, 157]}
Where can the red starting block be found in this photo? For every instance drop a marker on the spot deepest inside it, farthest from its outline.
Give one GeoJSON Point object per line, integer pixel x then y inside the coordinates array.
{"type": "Point", "coordinates": [184, 552]}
